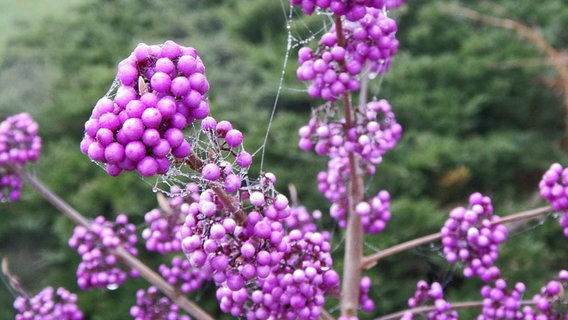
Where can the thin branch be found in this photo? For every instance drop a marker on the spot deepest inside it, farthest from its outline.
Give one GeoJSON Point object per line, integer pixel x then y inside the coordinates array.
{"type": "Point", "coordinates": [371, 260]}
{"type": "Point", "coordinates": [455, 306]}
{"type": "Point", "coordinates": [533, 36]}
{"type": "Point", "coordinates": [129, 260]}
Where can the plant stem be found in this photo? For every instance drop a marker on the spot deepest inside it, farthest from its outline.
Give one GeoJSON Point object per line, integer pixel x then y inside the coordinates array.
{"type": "Point", "coordinates": [354, 228]}
{"type": "Point", "coordinates": [455, 306]}
{"type": "Point", "coordinates": [128, 259]}
{"type": "Point", "coordinates": [371, 260]}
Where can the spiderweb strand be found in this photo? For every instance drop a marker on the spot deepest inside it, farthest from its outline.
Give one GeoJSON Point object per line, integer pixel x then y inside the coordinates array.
{"type": "Point", "coordinates": [282, 74]}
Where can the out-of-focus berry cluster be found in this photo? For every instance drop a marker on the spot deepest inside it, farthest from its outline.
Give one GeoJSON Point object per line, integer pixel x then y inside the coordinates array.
{"type": "Point", "coordinates": [48, 304]}
{"type": "Point", "coordinates": [332, 69]}
{"type": "Point", "coordinates": [554, 189]}
{"type": "Point", "coordinates": [162, 90]}
{"type": "Point", "coordinates": [471, 235]}
{"type": "Point", "coordinates": [431, 294]}
{"type": "Point", "coordinates": [19, 144]}
{"type": "Point", "coordinates": [151, 305]}
{"type": "Point", "coordinates": [99, 267]}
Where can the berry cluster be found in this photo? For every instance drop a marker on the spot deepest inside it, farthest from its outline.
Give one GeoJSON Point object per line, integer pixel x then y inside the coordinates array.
{"type": "Point", "coordinates": [183, 275]}
{"type": "Point", "coordinates": [162, 233]}
{"type": "Point", "coordinates": [300, 218]}
{"type": "Point", "coordinates": [19, 144]}
{"type": "Point", "coordinates": [434, 294]}
{"type": "Point", "coordinates": [162, 91]}
{"type": "Point", "coordinates": [500, 303]}
{"type": "Point", "coordinates": [333, 68]}
{"type": "Point", "coordinates": [151, 304]}
{"type": "Point", "coordinates": [473, 236]}
{"type": "Point", "coordinates": [551, 302]}
{"type": "Point", "coordinates": [254, 261]}
{"type": "Point", "coordinates": [553, 188]}
{"type": "Point", "coordinates": [49, 304]}
{"type": "Point", "coordinates": [352, 10]}
{"type": "Point", "coordinates": [375, 132]}
{"type": "Point", "coordinates": [99, 267]}
{"type": "Point", "coordinates": [230, 162]}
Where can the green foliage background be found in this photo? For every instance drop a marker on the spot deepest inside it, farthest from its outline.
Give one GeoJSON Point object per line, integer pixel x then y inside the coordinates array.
{"type": "Point", "coordinates": [478, 115]}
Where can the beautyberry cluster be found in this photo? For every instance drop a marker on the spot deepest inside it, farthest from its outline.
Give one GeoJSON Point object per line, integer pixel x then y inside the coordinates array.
{"type": "Point", "coordinates": [161, 91]}
{"type": "Point", "coordinates": [182, 275]}
{"type": "Point", "coordinates": [99, 267]}
{"type": "Point", "coordinates": [426, 294]}
{"type": "Point", "coordinates": [554, 189]}
{"type": "Point", "coordinates": [353, 10]}
{"type": "Point", "coordinates": [473, 236]}
{"type": "Point", "coordinates": [551, 304]}
{"type": "Point", "coordinates": [162, 233]}
{"type": "Point", "coordinates": [236, 234]}
{"type": "Point", "coordinates": [49, 304]}
{"type": "Point", "coordinates": [19, 144]}
{"type": "Point", "coordinates": [500, 303]}
{"type": "Point", "coordinates": [230, 163]}
{"type": "Point", "coordinates": [151, 305]}
{"type": "Point", "coordinates": [333, 68]}
{"type": "Point", "coordinates": [374, 133]}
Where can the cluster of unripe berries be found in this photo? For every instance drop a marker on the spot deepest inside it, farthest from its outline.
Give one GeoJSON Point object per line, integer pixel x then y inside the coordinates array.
{"type": "Point", "coordinates": [554, 189]}
{"type": "Point", "coordinates": [48, 304]}
{"type": "Point", "coordinates": [333, 68]}
{"type": "Point", "coordinates": [472, 235]}
{"type": "Point", "coordinates": [19, 144]}
{"type": "Point", "coordinates": [431, 294]}
{"type": "Point", "coordinates": [161, 91]}
{"type": "Point", "coordinates": [353, 10]}
{"type": "Point", "coordinates": [99, 267]}
{"type": "Point", "coordinates": [151, 305]}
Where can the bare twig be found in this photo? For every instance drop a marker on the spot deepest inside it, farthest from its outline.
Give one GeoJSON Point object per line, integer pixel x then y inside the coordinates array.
{"type": "Point", "coordinates": [533, 36]}
{"type": "Point", "coordinates": [455, 306]}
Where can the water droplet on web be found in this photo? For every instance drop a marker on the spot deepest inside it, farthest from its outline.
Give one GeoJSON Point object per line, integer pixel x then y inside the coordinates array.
{"type": "Point", "coordinates": [112, 286]}
{"type": "Point", "coordinates": [372, 75]}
